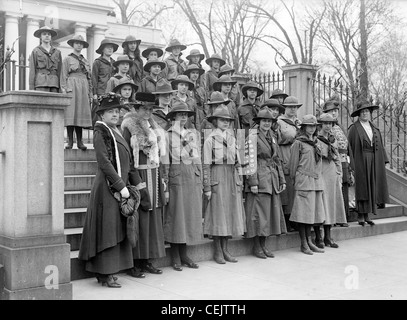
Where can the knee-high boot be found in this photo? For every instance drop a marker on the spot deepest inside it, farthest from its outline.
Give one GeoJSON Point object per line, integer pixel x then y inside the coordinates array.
{"type": "Point", "coordinates": [328, 239]}
{"type": "Point", "coordinates": [70, 131]}
{"type": "Point", "coordinates": [226, 253]}
{"type": "Point", "coordinates": [79, 141]}
{"type": "Point", "coordinates": [318, 237]}
{"type": "Point", "coordinates": [264, 248]}
{"type": "Point", "coordinates": [219, 258]}
{"type": "Point", "coordinates": [175, 257]}
{"type": "Point", "coordinates": [313, 247]}
{"type": "Point", "coordinates": [257, 250]}
{"type": "Point", "coordinates": [304, 243]}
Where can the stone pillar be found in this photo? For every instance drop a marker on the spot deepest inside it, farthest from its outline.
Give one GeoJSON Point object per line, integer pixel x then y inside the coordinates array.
{"type": "Point", "coordinates": [33, 248]}
{"type": "Point", "coordinates": [298, 81]}
{"type": "Point", "coordinates": [33, 24]}
{"type": "Point", "coordinates": [11, 34]}
{"type": "Point", "coordinates": [99, 33]}
{"type": "Point", "coordinates": [81, 29]}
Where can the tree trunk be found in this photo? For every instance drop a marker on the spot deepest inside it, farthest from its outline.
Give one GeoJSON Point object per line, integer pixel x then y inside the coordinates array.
{"type": "Point", "coordinates": [364, 77]}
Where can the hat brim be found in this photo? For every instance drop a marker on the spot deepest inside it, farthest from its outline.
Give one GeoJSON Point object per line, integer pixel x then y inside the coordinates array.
{"type": "Point", "coordinates": [260, 92]}
{"type": "Point", "coordinates": [127, 42]}
{"type": "Point", "coordinates": [225, 72]}
{"type": "Point", "coordinates": [148, 65]}
{"type": "Point", "coordinates": [164, 92]}
{"type": "Point", "coordinates": [102, 47]}
{"type": "Point", "coordinates": [147, 52]}
{"type": "Point", "coordinates": [72, 42]}
{"type": "Point", "coordinates": [292, 105]}
{"type": "Point", "coordinates": [270, 106]}
{"type": "Point", "coordinates": [118, 87]}
{"type": "Point", "coordinates": [322, 122]}
{"type": "Point", "coordinates": [101, 110]}
{"type": "Point", "coordinates": [309, 124]}
{"type": "Point", "coordinates": [211, 118]}
{"type": "Point", "coordinates": [172, 114]}
{"type": "Point", "coordinates": [181, 46]}
{"type": "Point", "coordinates": [117, 63]}
{"type": "Point", "coordinates": [38, 33]}
{"type": "Point", "coordinates": [188, 72]}
{"type": "Point", "coordinates": [258, 119]}
{"type": "Point", "coordinates": [175, 84]}
{"type": "Point", "coordinates": [217, 86]}
{"type": "Point", "coordinates": [357, 112]}
{"type": "Point", "coordinates": [282, 95]}
{"type": "Point", "coordinates": [209, 61]}
{"type": "Point", "coordinates": [201, 56]}
{"type": "Point", "coordinates": [226, 102]}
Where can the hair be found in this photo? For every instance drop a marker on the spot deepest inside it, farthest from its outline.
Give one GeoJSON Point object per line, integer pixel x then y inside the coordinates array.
{"type": "Point", "coordinates": [302, 132]}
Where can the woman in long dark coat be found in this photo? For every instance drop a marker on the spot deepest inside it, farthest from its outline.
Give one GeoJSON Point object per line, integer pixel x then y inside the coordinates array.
{"type": "Point", "coordinates": [368, 160]}
{"type": "Point", "coordinates": [104, 245]}
{"type": "Point", "coordinates": [131, 48]}
{"type": "Point", "coordinates": [264, 211]}
{"type": "Point", "coordinates": [183, 218]}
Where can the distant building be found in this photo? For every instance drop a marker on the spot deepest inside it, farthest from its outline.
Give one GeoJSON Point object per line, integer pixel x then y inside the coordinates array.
{"type": "Point", "coordinates": [92, 19]}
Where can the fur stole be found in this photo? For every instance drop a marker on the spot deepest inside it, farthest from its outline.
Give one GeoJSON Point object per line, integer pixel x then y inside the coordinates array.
{"type": "Point", "coordinates": [146, 139]}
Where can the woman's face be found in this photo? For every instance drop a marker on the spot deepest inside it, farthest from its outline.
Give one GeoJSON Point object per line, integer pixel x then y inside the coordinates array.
{"type": "Point", "coordinates": [223, 124]}
{"type": "Point", "coordinates": [310, 129]}
{"type": "Point", "coordinates": [108, 50]}
{"type": "Point", "coordinates": [216, 64]}
{"type": "Point", "coordinates": [226, 88]}
{"type": "Point", "coordinates": [176, 51]}
{"type": "Point", "coordinates": [46, 37]}
{"type": "Point", "coordinates": [327, 127]}
{"type": "Point", "coordinates": [126, 91]}
{"type": "Point", "coordinates": [334, 113]}
{"type": "Point", "coordinates": [155, 69]}
{"type": "Point", "coordinates": [275, 112]}
{"type": "Point", "coordinates": [124, 67]}
{"type": "Point", "coordinates": [145, 112]}
{"type": "Point", "coordinates": [252, 94]}
{"type": "Point", "coordinates": [291, 112]}
{"type": "Point", "coordinates": [133, 46]}
{"type": "Point", "coordinates": [195, 59]}
{"type": "Point", "coordinates": [265, 124]}
{"type": "Point", "coordinates": [182, 118]}
{"type": "Point", "coordinates": [164, 99]}
{"type": "Point", "coordinates": [183, 88]}
{"type": "Point", "coordinates": [111, 117]}
{"type": "Point", "coordinates": [153, 55]}
{"type": "Point", "coordinates": [365, 115]}
{"type": "Point", "coordinates": [78, 46]}
{"type": "Point", "coordinates": [194, 76]}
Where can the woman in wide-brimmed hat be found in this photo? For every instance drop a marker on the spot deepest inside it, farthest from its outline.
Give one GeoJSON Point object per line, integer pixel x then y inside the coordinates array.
{"type": "Point", "coordinates": [280, 95]}
{"type": "Point", "coordinates": [127, 90]}
{"type": "Point", "coordinates": [45, 63]}
{"type": "Point", "coordinates": [123, 66]}
{"type": "Point", "coordinates": [368, 160]}
{"type": "Point", "coordinates": [194, 73]}
{"type": "Point", "coordinates": [264, 211]}
{"type": "Point", "coordinates": [250, 106]}
{"type": "Point", "coordinates": [332, 178]}
{"type": "Point", "coordinates": [131, 48]}
{"type": "Point", "coordinates": [224, 85]}
{"type": "Point", "coordinates": [105, 247]}
{"type": "Point", "coordinates": [276, 110]}
{"type": "Point", "coordinates": [288, 128]}
{"type": "Point", "coordinates": [150, 82]}
{"type": "Point", "coordinates": [306, 174]}
{"type": "Point", "coordinates": [76, 78]}
{"type": "Point", "coordinates": [224, 214]}
{"type": "Point", "coordinates": [164, 95]}
{"type": "Point", "coordinates": [215, 62]}
{"type": "Point", "coordinates": [332, 107]}
{"type": "Point", "coordinates": [175, 64]}
{"type": "Point", "coordinates": [183, 175]}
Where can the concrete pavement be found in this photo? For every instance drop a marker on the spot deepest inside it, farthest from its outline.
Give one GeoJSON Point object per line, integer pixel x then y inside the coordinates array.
{"type": "Point", "coordinates": [372, 268]}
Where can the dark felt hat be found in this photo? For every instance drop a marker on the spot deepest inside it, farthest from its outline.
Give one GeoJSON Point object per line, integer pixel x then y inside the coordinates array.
{"type": "Point", "coordinates": [327, 118]}
{"type": "Point", "coordinates": [179, 107]}
{"type": "Point", "coordinates": [104, 43]}
{"type": "Point", "coordinates": [226, 69]}
{"type": "Point", "coordinates": [217, 86]}
{"type": "Point", "coordinates": [154, 62]}
{"type": "Point", "coordinates": [109, 101]}
{"type": "Point", "coordinates": [252, 85]}
{"type": "Point", "coordinates": [78, 38]}
{"type": "Point", "coordinates": [175, 43]}
{"type": "Point", "coordinates": [264, 113]}
{"type": "Point", "coordinates": [164, 87]}
{"type": "Point", "coordinates": [362, 105]}
{"type": "Point", "coordinates": [221, 112]}
{"type": "Point", "coordinates": [215, 56]}
{"type": "Point", "coordinates": [130, 39]}
{"type": "Point", "coordinates": [309, 120]}
{"type": "Point", "coordinates": [217, 98]}
{"type": "Point", "coordinates": [182, 79]}
{"type": "Point", "coordinates": [291, 102]}
{"type": "Point", "coordinates": [193, 67]}
{"type": "Point", "coordinates": [274, 103]}
{"type": "Point", "coordinates": [278, 93]}
{"type": "Point", "coordinates": [123, 59]}
{"type": "Point", "coordinates": [147, 52]}
{"type": "Point", "coordinates": [123, 83]}
{"type": "Point", "coordinates": [195, 53]}
{"type": "Point", "coordinates": [38, 33]}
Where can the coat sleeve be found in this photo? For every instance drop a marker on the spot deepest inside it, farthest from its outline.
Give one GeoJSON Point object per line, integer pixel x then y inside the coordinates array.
{"type": "Point", "coordinates": [59, 71]}
{"type": "Point", "coordinates": [206, 167]}
{"type": "Point", "coordinates": [32, 64]}
{"type": "Point", "coordinates": [65, 75]}
{"type": "Point", "coordinates": [105, 165]}
{"type": "Point", "coordinates": [95, 77]}
{"type": "Point", "coordinates": [294, 159]}
{"type": "Point", "coordinates": [351, 148]}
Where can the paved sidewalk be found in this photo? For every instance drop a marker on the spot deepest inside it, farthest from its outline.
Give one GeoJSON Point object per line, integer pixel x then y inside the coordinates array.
{"type": "Point", "coordinates": [371, 268]}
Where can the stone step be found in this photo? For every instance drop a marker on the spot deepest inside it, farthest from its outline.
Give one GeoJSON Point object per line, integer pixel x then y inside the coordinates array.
{"type": "Point", "coordinates": [76, 199]}
{"type": "Point", "coordinates": [80, 168]}
{"type": "Point", "coordinates": [391, 211]}
{"type": "Point", "coordinates": [73, 237]}
{"type": "Point", "coordinates": [79, 155]}
{"type": "Point", "coordinates": [75, 218]}
{"type": "Point", "coordinates": [203, 251]}
{"type": "Point", "coordinates": [79, 182]}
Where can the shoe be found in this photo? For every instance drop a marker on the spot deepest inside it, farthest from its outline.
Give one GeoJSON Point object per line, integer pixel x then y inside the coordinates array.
{"type": "Point", "coordinates": [259, 254]}
{"type": "Point", "coordinates": [190, 264]}
{"type": "Point", "coordinates": [315, 248]}
{"type": "Point", "coordinates": [218, 256]}
{"type": "Point", "coordinates": [381, 206]}
{"type": "Point", "coordinates": [362, 223]}
{"type": "Point", "coordinates": [177, 267]}
{"type": "Point", "coordinates": [136, 273]}
{"type": "Point", "coordinates": [69, 146]}
{"type": "Point", "coordinates": [268, 253]}
{"type": "Point", "coordinates": [99, 279]}
{"type": "Point", "coordinates": [306, 251]}
{"type": "Point", "coordinates": [331, 244]}
{"type": "Point", "coordinates": [151, 269]}
{"type": "Point", "coordinates": [110, 283]}
{"type": "Point", "coordinates": [319, 243]}
{"type": "Point", "coordinates": [81, 146]}
{"type": "Point", "coordinates": [343, 225]}
{"type": "Point", "coordinates": [371, 223]}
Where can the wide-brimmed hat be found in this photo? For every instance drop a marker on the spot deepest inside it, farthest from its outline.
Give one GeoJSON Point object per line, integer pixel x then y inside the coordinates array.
{"type": "Point", "coordinates": [332, 103]}
{"type": "Point", "coordinates": [179, 107]}
{"type": "Point", "coordinates": [278, 93]}
{"type": "Point", "coordinates": [217, 86]}
{"type": "Point", "coordinates": [182, 79]}
{"type": "Point", "coordinates": [193, 67]}
{"type": "Point", "coordinates": [175, 43]}
{"type": "Point", "coordinates": [252, 85]}
{"type": "Point", "coordinates": [215, 56]}
{"type": "Point", "coordinates": [78, 38]}
{"type": "Point", "coordinates": [273, 103]}
{"type": "Point", "coordinates": [362, 105]}
{"type": "Point", "coordinates": [226, 69]}
{"type": "Point", "coordinates": [291, 101]}
{"type": "Point", "coordinates": [104, 43]}
{"type": "Point", "coordinates": [154, 62]}
{"type": "Point", "coordinates": [147, 52]}
{"type": "Point", "coordinates": [217, 98]}
{"type": "Point", "coordinates": [130, 39]}
{"type": "Point", "coordinates": [327, 118]}
{"type": "Point", "coordinates": [38, 33]}
{"type": "Point", "coordinates": [123, 59]}
{"type": "Point", "coordinates": [264, 113]}
{"type": "Point", "coordinates": [221, 112]}
{"type": "Point", "coordinates": [194, 53]}
{"type": "Point", "coordinates": [124, 82]}
{"type": "Point", "coordinates": [109, 101]}
{"type": "Point", "coordinates": [309, 120]}
{"type": "Point", "coordinates": [164, 87]}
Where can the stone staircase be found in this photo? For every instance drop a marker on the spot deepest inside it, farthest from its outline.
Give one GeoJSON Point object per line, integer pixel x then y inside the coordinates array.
{"type": "Point", "coordinates": [80, 170]}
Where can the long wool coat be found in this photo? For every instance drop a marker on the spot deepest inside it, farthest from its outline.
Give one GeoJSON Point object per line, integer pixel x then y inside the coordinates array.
{"type": "Point", "coordinates": [264, 211]}
{"type": "Point", "coordinates": [183, 219]}
{"type": "Point", "coordinates": [104, 245]}
{"type": "Point", "coordinates": [366, 187]}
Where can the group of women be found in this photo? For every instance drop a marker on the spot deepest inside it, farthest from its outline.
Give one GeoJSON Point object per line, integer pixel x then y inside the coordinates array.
{"type": "Point", "coordinates": [171, 131]}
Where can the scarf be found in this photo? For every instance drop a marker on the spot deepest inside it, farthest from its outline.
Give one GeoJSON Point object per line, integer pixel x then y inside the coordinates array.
{"type": "Point", "coordinates": [314, 144]}
{"type": "Point", "coordinates": [331, 148]}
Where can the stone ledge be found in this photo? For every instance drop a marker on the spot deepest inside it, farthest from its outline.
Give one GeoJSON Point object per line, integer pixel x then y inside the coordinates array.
{"type": "Point", "coordinates": [28, 242]}
{"type": "Point", "coordinates": [41, 293]}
